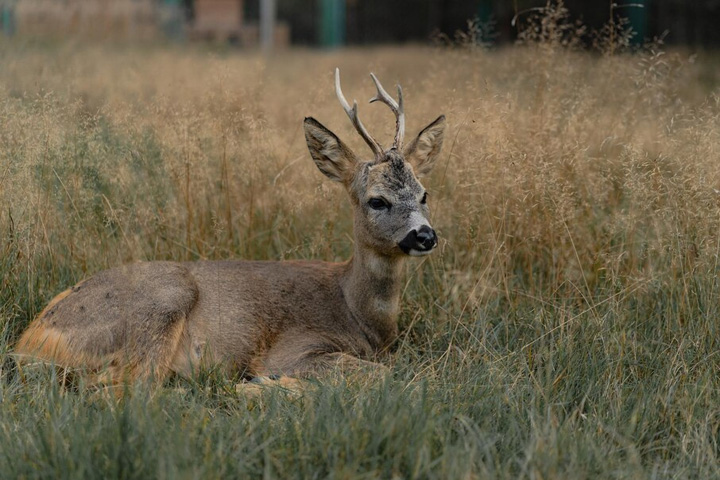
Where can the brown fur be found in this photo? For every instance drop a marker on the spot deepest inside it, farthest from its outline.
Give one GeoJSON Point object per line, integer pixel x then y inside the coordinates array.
{"type": "Point", "coordinates": [260, 319]}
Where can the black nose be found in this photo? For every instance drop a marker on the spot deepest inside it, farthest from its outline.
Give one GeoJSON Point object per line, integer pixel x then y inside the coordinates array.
{"type": "Point", "coordinates": [421, 240]}
{"type": "Point", "coordinates": [426, 237]}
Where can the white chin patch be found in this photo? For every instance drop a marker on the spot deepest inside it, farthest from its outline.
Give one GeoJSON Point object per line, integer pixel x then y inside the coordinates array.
{"type": "Point", "coordinates": [419, 253]}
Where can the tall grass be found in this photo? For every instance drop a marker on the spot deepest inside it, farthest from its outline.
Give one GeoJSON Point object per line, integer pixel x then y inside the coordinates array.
{"type": "Point", "coordinates": [567, 326]}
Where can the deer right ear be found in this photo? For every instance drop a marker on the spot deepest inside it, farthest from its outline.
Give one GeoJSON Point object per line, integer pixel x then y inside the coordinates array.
{"type": "Point", "coordinates": [331, 156]}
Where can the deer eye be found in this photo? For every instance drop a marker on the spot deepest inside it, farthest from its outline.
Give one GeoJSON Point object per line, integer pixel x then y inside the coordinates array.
{"type": "Point", "coordinates": [424, 198]}
{"type": "Point", "coordinates": [377, 203]}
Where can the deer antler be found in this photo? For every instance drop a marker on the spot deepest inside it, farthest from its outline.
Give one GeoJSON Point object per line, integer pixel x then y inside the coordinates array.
{"type": "Point", "coordinates": [352, 113]}
{"type": "Point", "coordinates": [396, 107]}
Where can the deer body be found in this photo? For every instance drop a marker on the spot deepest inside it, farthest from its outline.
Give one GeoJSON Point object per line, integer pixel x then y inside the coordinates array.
{"type": "Point", "coordinates": [262, 332]}
{"type": "Point", "coordinates": [259, 318]}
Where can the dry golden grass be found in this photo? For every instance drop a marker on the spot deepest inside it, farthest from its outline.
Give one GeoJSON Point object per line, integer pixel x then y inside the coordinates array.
{"type": "Point", "coordinates": [559, 167]}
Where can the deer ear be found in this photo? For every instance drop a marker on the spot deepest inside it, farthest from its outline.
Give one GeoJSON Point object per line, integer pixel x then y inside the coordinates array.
{"type": "Point", "coordinates": [425, 149]}
{"type": "Point", "coordinates": [331, 156]}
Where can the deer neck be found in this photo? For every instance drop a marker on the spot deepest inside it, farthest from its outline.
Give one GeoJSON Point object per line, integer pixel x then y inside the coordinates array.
{"type": "Point", "coordinates": [372, 288]}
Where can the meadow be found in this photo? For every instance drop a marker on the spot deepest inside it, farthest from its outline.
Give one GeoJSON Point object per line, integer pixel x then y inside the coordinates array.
{"type": "Point", "coordinates": [568, 325]}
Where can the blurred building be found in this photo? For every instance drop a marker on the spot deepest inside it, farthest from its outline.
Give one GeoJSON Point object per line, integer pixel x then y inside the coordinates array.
{"type": "Point", "coordinates": [216, 20]}
{"type": "Point", "coordinates": [130, 19]}
{"type": "Point", "coordinates": [225, 20]}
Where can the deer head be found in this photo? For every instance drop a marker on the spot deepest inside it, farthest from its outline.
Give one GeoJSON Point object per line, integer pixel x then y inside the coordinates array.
{"type": "Point", "coordinates": [389, 203]}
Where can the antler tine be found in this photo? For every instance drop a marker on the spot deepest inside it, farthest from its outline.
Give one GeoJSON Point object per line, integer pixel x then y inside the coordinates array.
{"type": "Point", "coordinates": [396, 107]}
{"type": "Point", "coordinates": [352, 113]}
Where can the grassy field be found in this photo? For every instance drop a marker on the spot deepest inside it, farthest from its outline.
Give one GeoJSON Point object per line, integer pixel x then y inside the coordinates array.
{"type": "Point", "coordinates": [567, 327]}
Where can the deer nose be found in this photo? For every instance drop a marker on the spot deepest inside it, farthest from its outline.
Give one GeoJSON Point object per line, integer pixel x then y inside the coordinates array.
{"type": "Point", "coordinates": [419, 242]}
{"type": "Point", "coordinates": [426, 237]}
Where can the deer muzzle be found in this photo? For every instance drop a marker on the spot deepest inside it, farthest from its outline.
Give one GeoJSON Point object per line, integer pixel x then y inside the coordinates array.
{"type": "Point", "coordinates": [419, 241]}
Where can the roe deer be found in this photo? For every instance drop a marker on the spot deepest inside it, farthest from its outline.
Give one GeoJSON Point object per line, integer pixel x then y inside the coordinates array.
{"type": "Point", "coordinates": [260, 319]}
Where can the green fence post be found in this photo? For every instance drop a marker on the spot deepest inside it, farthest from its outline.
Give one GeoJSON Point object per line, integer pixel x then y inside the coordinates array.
{"type": "Point", "coordinates": [636, 14]}
{"type": "Point", "coordinates": [173, 19]}
{"type": "Point", "coordinates": [7, 20]}
{"type": "Point", "coordinates": [332, 26]}
{"type": "Point", "coordinates": [485, 21]}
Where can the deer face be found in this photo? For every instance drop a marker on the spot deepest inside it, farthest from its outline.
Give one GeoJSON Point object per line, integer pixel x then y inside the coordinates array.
{"type": "Point", "coordinates": [391, 211]}
{"type": "Point", "coordinates": [389, 202]}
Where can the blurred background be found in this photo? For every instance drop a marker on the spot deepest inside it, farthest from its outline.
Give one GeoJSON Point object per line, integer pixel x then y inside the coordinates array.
{"type": "Point", "coordinates": [333, 23]}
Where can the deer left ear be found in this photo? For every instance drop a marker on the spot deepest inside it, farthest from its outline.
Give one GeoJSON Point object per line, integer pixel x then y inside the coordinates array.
{"type": "Point", "coordinates": [425, 149]}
